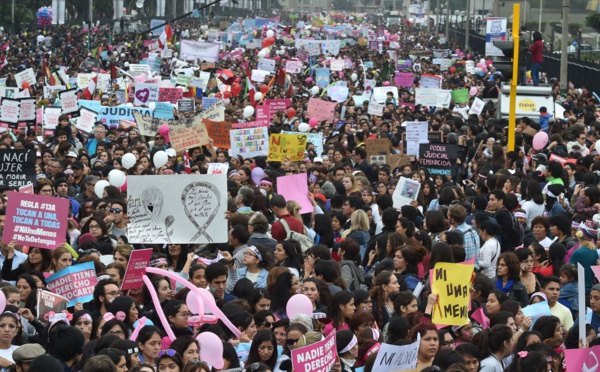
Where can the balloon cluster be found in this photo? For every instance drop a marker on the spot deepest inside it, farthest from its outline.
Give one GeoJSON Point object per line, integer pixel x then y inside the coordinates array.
{"type": "Point", "coordinates": [44, 16]}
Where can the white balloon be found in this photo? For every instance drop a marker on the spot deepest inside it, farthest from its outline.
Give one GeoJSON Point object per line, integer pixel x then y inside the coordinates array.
{"type": "Point", "coordinates": [262, 54]}
{"type": "Point", "coordinates": [314, 90]}
{"type": "Point", "coordinates": [116, 178]}
{"type": "Point", "coordinates": [597, 147]}
{"type": "Point", "coordinates": [303, 127]}
{"type": "Point", "coordinates": [160, 158]}
{"type": "Point", "coordinates": [354, 77]}
{"type": "Point", "coordinates": [248, 111]}
{"type": "Point", "coordinates": [128, 160]}
{"type": "Point", "coordinates": [270, 33]}
{"type": "Point", "coordinates": [100, 186]}
{"type": "Point", "coordinates": [258, 96]}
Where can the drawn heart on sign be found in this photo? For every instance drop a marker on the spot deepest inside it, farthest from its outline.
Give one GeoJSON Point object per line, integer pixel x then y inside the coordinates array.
{"type": "Point", "coordinates": [198, 199]}
{"type": "Point", "coordinates": [142, 95]}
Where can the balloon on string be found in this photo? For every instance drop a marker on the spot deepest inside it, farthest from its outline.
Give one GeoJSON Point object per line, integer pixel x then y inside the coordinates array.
{"type": "Point", "coordinates": [291, 112]}
{"type": "Point", "coordinates": [116, 178]}
{"type": "Point", "coordinates": [258, 96]}
{"type": "Point", "coordinates": [2, 302]}
{"type": "Point", "coordinates": [473, 91]}
{"type": "Point", "coordinates": [211, 349]}
{"type": "Point", "coordinates": [164, 130]}
{"type": "Point", "coordinates": [314, 90]}
{"type": "Point", "coordinates": [99, 188]}
{"type": "Point", "coordinates": [354, 76]}
{"type": "Point", "coordinates": [264, 88]}
{"type": "Point", "coordinates": [160, 158]}
{"type": "Point", "coordinates": [270, 33]}
{"type": "Point", "coordinates": [597, 146]}
{"type": "Point", "coordinates": [236, 89]}
{"type": "Point", "coordinates": [257, 174]}
{"type": "Point", "coordinates": [298, 304]}
{"type": "Point", "coordinates": [540, 140]}
{"type": "Point", "coordinates": [248, 111]}
{"type": "Point", "coordinates": [128, 160]}
{"type": "Point", "coordinates": [303, 127]}
{"type": "Point", "coordinates": [313, 122]}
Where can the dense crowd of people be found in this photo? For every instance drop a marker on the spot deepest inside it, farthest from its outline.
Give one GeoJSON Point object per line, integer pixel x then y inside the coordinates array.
{"type": "Point", "coordinates": [524, 219]}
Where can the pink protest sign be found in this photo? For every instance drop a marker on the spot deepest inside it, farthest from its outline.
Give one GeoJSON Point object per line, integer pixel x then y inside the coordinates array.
{"type": "Point", "coordinates": [295, 188]}
{"type": "Point", "coordinates": [411, 106]}
{"type": "Point", "coordinates": [596, 270]}
{"type": "Point", "coordinates": [263, 114]}
{"type": "Point", "coordinates": [169, 95]}
{"type": "Point", "coordinates": [320, 356]}
{"type": "Point", "coordinates": [582, 359]}
{"type": "Point", "coordinates": [320, 109]}
{"type": "Point", "coordinates": [76, 283]}
{"type": "Point", "coordinates": [36, 220]}
{"type": "Point", "coordinates": [139, 260]}
{"type": "Point", "coordinates": [480, 317]}
{"type": "Point", "coordinates": [277, 105]}
{"type": "Point", "coordinates": [404, 79]}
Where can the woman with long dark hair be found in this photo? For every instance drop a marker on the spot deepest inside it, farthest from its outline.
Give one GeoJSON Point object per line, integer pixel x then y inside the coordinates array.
{"type": "Point", "coordinates": [263, 349]}
{"type": "Point", "coordinates": [324, 233]}
{"type": "Point", "coordinates": [534, 202]}
{"type": "Point", "coordinates": [508, 278]}
{"type": "Point", "coordinates": [384, 288]}
{"type": "Point", "coordinates": [341, 309]}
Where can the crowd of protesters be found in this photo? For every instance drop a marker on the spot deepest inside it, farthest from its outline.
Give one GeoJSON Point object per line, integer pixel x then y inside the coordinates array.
{"type": "Point", "coordinates": [525, 219]}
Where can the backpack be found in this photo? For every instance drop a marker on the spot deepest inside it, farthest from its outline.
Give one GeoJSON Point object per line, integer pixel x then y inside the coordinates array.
{"type": "Point", "coordinates": [517, 233]}
{"type": "Point", "coordinates": [358, 280]}
{"type": "Point", "coordinates": [305, 242]}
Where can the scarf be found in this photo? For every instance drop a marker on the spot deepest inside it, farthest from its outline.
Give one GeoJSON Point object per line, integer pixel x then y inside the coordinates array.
{"type": "Point", "coordinates": [506, 288]}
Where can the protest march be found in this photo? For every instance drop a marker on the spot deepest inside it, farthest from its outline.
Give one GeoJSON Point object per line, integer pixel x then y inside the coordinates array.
{"type": "Point", "coordinates": [304, 191]}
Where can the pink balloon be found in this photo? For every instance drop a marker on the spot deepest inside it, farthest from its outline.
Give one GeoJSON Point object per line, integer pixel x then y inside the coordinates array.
{"type": "Point", "coordinates": [194, 303]}
{"type": "Point", "coordinates": [540, 140]}
{"type": "Point", "coordinates": [124, 187]}
{"type": "Point", "coordinates": [313, 122]}
{"type": "Point", "coordinates": [211, 349]}
{"type": "Point", "coordinates": [308, 80]}
{"type": "Point", "coordinates": [386, 83]}
{"type": "Point", "coordinates": [158, 307]}
{"type": "Point", "coordinates": [209, 300]}
{"type": "Point", "coordinates": [341, 74]}
{"type": "Point", "coordinates": [298, 304]}
{"type": "Point", "coordinates": [473, 91]}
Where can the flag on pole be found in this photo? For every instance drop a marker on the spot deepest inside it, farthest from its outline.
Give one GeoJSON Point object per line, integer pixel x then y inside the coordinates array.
{"type": "Point", "coordinates": [48, 74]}
{"type": "Point", "coordinates": [249, 90]}
{"type": "Point", "coordinates": [187, 166]}
{"type": "Point", "coordinates": [164, 38]}
{"type": "Point", "coordinates": [113, 71]}
{"type": "Point", "coordinates": [88, 92]}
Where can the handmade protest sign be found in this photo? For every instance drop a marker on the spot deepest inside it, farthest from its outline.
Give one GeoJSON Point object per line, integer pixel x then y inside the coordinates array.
{"type": "Point", "coordinates": [139, 69]}
{"type": "Point", "coordinates": [451, 282]}
{"type": "Point", "coordinates": [249, 142]}
{"type": "Point", "coordinates": [397, 358]}
{"type": "Point", "coordinates": [68, 101]}
{"type": "Point", "coordinates": [48, 302]}
{"type": "Point", "coordinates": [460, 95]}
{"type": "Point", "coordinates": [336, 64]}
{"type": "Point", "coordinates": [318, 357]}
{"type": "Point", "coordinates": [404, 79]}
{"type": "Point", "coordinates": [17, 167]}
{"type": "Point", "coordinates": [28, 108]}
{"type": "Point", "coordinates": [586, 359]}
{"type": "Point", "coordinates": [138, 261]}
{"type": "Point", "coordinates": [187, 138]}
{"type": "Point", "coordinates": [25, 76]}
{"type": "Point", "coordinates": [375, 108]}
{"type": "Point", "coordinates": [196, 217]}
{"type": "Point", "coordinates": [36, 220]}
{"type": "Point", "coordinates": [169, 95]}
{"type": "Point", "coordinates": [315, 138]}
{"type": "Point", "coordinates": [437, 158]}
{"type": "Point", "coordinates": [380, 94]}
{"type": "Point", "coordinates": [219, 133]}
{"type": "Point", "coordinates": [86, 120]}
{"type": "Point", "coordinates": [321, 110]}
{"type": "Point", "coordinates": [430, 81]}
{"type": "Point", "coordinates": [10, 110]}
{"type": "Point", "coordinates": [275, 105]}
{"type": "Point", "coordinates": [416, 133]}
{"type": "Point", "coordinates": [293, 67]}
{"type": "Point", "coordinates": [50, 118]}
{"type": "Point", "coordinates": [204, 52]}
{"type": "Point", "coordinates": [217, 168]}
{"type": "Point", "coordinates": [377, 146]}
{"type": "Point", "coordinates": [186, 105]}
{"type": "Point", "coordinates": [536, 311]}
{"type": "Point", "coordinates": [263, 115]}
{"type": "Point", "coordinates": [266, 64]}
{"type": "Point", "coordinates": [406, 191]}
{"type": "Point", "coordinates": [145, 93]}
{"type": "Point", "coordinates": [322, 77]}
{"type": "Point", "coordinates": [295, 187]}
{"type": "Point", "coordinates": [208, 101]}
{"type": "Point", "coordinates": [476, 107]}
{"type": "Point", "coordinates": [76, 283]}
{"type": "Point", "coordinates": [286, 146]}
{"type": "Point", "coordinates": [426, 96]}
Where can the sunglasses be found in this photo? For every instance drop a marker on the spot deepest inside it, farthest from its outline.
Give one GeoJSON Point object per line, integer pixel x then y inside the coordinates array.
{"type": "Point", "coordinates": [116, 210]}
{"type": "Point", "coordinates": [158, 138]}
{"type": "Point", "coordinates": [291, 171]}
{"type": "Point", "coordinates": [291, 341]}
{"type": "Point", "coordinates": [168, 352]}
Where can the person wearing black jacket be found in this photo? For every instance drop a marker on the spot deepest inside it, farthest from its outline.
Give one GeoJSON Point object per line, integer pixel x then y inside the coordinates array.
{"type": "Point", "coordinates": [503, 217]}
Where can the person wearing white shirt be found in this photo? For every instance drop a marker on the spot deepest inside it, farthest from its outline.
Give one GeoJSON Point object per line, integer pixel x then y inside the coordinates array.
{"type": "Point", "coordinates": [490, 250]}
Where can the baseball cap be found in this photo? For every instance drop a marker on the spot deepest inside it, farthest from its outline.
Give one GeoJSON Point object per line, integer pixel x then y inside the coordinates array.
{"type": "Point", "coordinates": [171, 153]}
{"type": "Point", "coordinates": [71, 154]}
{"type": "Point", "coordinates": [318, 160]}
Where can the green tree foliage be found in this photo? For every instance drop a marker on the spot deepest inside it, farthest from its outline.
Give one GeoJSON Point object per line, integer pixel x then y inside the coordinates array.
{"type": "Point", "coordinates": [593, 20]}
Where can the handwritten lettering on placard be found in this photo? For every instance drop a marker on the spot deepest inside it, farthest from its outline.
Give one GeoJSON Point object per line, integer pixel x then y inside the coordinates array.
{"type": "Point", "coordinates": [286, 146]}
{"type": "Point", "coordinates": [451, 282]}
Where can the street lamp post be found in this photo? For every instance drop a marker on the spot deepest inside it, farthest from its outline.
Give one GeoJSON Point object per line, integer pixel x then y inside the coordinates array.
{"type": "Point", "coordinates": [468, 28]}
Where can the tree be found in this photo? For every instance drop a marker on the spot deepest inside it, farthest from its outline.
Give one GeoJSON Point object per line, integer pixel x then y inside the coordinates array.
{"type": "Point", "coordinates": [593, 20]}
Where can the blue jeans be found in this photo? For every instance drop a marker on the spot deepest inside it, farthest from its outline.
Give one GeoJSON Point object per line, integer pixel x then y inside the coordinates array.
{"type": "Point", "coordinates": [535, 72]}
